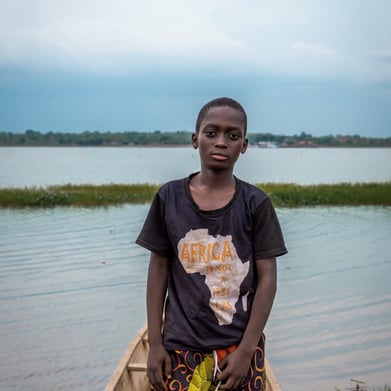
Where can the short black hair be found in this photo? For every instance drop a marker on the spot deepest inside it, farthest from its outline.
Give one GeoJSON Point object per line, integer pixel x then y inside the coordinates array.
{"type": "Point", "coordinates": [220, 102]}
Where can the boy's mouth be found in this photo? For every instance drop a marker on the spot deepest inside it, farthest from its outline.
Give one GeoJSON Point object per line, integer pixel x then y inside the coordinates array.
{"type": "Point", "coordinates": [218, 156]}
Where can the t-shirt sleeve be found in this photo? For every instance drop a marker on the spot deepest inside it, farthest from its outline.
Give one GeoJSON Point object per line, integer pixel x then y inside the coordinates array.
{"type": "Point", "coordinates": [268, 239]}
{"type": "Point", "coordinates": [153, 235]}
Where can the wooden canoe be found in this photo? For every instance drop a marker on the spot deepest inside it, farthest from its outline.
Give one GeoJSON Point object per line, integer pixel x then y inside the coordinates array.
{"type": "Point", "coordinates": [130, 374]}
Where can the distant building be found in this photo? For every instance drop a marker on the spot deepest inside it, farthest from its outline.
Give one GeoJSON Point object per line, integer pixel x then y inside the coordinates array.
{"type": "Point", "coordinates": [266, 144]}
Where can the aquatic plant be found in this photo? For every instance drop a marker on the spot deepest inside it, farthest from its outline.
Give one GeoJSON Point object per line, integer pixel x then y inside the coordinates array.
{"type": "Point", "coordinates": [361, 386]}
{"type": "Point", "coordinates": [77, 195]}
{"type": "Point", "coordinates": [353, 194]}
{"type": "Point", "coordinates": [282, 195]}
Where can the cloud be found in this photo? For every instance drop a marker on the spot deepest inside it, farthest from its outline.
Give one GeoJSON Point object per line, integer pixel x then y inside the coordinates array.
{"type": "Point", "coordinates": [323, 38]}
{"type": "Point", "coordinates": [103, 35]}
{"type": "Point", "coordinates": [317, 58]}
{"type": "Point", "coordinates": [317, 51]}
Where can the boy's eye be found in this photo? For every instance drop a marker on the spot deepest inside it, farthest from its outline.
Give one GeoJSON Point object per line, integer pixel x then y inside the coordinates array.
{"type": "Point", "coordinates": [234, 136]}
{"type": "Point", "coordinates": [210, 132]}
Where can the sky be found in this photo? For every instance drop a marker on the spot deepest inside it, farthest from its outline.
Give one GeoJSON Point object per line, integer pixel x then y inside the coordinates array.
{"type": "Point", "coordinates": [317, 66]}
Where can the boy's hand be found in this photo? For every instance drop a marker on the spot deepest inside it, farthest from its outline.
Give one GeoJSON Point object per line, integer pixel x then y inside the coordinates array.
{"type": "Point", "coordinates": [159, 363]}
{"type": "Point", "coordinates": [234, 369]}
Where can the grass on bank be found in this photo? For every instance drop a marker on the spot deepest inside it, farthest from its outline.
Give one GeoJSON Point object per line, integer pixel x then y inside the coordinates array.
{"type": "Point", "coordinates": [286, 195]}
{"type": "Point", "coordinates": [347, 194]}
{"type": "Point", "coordinates": [76, 195]}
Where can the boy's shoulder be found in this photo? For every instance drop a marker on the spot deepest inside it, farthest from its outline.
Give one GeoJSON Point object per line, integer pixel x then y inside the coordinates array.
{"type": "Point", "coordinates": [175, 183]}
{"type": "Point", "coordinates": [174, 186]}
{"type": "Point", "coordinates": [251, 190]}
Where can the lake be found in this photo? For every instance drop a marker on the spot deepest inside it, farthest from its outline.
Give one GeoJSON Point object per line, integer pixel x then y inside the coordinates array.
{"type": "Point", "coordinates": [72, 281]}
{"type": "Point", "coordinates": [20, 167]}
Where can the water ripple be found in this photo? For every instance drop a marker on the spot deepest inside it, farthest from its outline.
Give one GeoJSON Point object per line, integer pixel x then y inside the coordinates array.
{"type": "Point", "coordinates": [72, 295]}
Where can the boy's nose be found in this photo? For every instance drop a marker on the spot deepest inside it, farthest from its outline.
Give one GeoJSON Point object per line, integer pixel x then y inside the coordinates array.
{"type": "Point", "coordinates": [220, 141]}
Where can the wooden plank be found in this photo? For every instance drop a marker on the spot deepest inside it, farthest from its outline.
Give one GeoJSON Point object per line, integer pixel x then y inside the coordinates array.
{"type": "Point", "coordinates": [272, 382]}
{"type": "Point", "coordinates": [120, 378]}
{"type": "Point", "coordinates": [137, 367]}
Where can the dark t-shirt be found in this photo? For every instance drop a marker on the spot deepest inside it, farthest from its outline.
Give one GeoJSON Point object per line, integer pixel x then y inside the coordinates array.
{"type": "Point", "coordinates": [212, 254]}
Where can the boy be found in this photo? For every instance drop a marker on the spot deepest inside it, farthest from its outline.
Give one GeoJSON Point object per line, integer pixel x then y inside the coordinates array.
{"type": "Point", "coordinates": [214, 240]}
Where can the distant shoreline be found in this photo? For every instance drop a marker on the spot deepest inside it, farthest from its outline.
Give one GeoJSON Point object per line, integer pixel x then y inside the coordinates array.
{"type": "Point", "coordinates": [252, 146]}
{"type": "Point", "coordinates": [181, 139]}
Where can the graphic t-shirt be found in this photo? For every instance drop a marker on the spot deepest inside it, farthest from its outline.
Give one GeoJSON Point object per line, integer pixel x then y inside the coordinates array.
{"type": "Point", "coordinates": [212, 273]}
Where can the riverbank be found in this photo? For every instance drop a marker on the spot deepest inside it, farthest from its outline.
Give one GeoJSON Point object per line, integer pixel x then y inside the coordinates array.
{"type": "Point", "coordinates": [282, 194]}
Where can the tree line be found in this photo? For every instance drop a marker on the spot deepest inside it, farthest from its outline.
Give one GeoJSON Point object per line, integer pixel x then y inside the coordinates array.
{"type": "Point", "coordinates": [96, 138]}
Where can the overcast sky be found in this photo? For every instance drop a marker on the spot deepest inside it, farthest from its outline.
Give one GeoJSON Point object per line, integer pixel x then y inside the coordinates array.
{"type": "Point", "coordinates": [319, 66]}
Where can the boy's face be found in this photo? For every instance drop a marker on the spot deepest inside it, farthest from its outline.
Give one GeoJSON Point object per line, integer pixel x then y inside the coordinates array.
{"type": "Point", "coordinates": [221, 138]}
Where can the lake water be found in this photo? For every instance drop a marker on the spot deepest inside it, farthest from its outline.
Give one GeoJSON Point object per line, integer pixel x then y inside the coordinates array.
{"type": "Point", "coordinates": [20, 167]}
{"type": "Point", "coordinates": [72, 281]}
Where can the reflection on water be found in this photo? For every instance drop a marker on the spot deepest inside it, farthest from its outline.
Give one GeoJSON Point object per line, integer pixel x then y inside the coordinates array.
{"type": "Point", "coordinates": [72, 296]}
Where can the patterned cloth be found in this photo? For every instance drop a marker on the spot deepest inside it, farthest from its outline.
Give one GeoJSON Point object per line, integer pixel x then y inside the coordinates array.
{"type": "Point", "coordinates": [193, 371]}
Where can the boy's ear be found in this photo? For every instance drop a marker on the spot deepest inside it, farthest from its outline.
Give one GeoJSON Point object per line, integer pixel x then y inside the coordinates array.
{"type": "Point", "coordinates": [194, 140]}
{"type": "Point", "coordinates": [244, 146]}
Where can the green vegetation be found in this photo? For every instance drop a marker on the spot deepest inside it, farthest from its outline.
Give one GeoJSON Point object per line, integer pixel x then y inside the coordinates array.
{"type": "Point", "coordinates": [353, 194]}
{"type": "Point", "coordinates": [286, 195]}
{"type": "Point", "coordinates": [73, 195]}
{"type": "Point", "coordinates": [88, 138]}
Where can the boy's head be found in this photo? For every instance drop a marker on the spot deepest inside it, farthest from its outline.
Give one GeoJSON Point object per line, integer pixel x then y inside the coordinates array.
{"type": "Point", "coordinates": [220, 102]}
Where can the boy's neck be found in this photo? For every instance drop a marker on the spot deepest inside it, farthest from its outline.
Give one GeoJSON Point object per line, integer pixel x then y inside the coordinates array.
{"type": "Point", "coordinates": [216, 180]}
{"type": "Point", "coordinates": [211, 191]}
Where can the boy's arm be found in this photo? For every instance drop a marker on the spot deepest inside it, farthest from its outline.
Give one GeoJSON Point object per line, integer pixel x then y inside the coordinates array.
{"type": "Point", "coordinates": [262, 305]}
{"type": "Point", "coordinates": [235, 366]}
{"type": "Point", "coordinates": [159, 361]}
